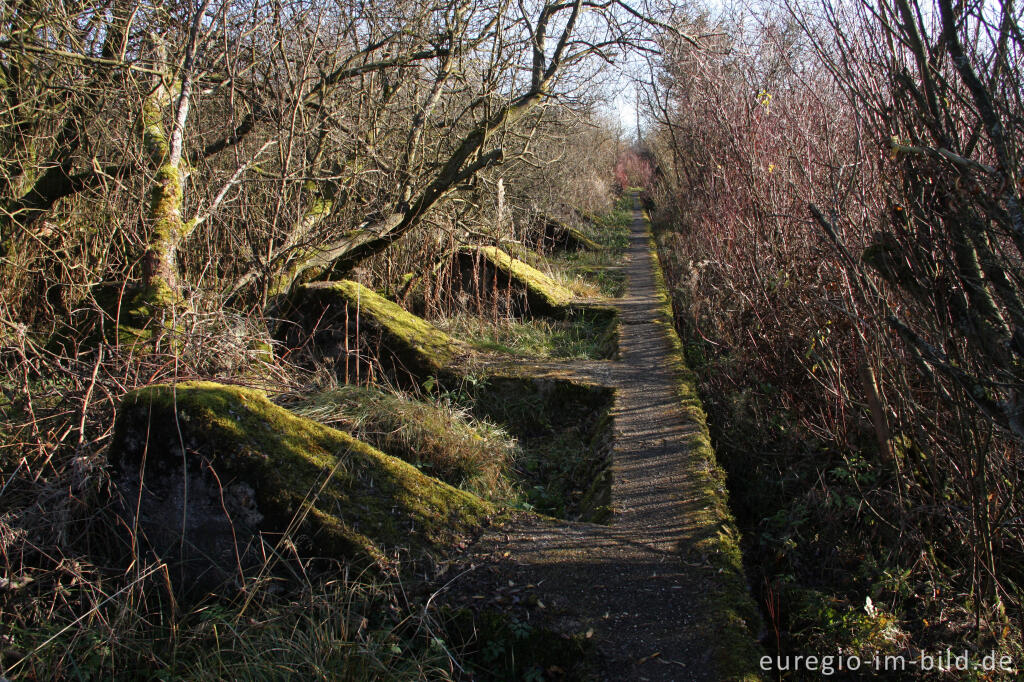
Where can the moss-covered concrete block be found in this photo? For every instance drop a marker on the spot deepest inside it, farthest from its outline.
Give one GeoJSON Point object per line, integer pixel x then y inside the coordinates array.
{"type": "Point", "coordinates": [554, 234]}
{"type": "Point", "coordinates": [728, 610]}
{"type": "Point", "coordinates": [228, 479]}
{"type": "Point", "coordinates": [489, 272]}
{"type": "Point", "coordinates": [347, 317]}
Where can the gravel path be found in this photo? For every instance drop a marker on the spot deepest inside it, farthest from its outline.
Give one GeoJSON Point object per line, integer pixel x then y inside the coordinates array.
{"type": "Point", "coordinates": [637, 583]}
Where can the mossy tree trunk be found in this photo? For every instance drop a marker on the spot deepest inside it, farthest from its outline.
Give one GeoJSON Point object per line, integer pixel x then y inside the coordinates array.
{"type": "Point", "coordinates": [333, 180]}
{"type": "Point", "coordinates": [323, 199]}
{"type": "Point", "coordinates": [293, 261]}
{"type": "Point", "coordinates": [160, 294]}
{"type": "Point", "coordinates": [166, 228]}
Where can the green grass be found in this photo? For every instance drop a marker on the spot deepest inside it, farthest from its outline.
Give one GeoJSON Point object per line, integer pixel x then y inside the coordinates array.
{"type": "Point", "coordinates": [511, 441]}
{"type": "Point", "coordinates": [350, 627]}
{"type": "Point", "coordinates": [582, 335]}
{"type": "Point", "coordinates": [563, 432]}
{"type": "Point", "coordinates": [592, 273]}
{"type": "Point", "coordinates": [347, 629]}
{"type": "Point", "coordinates": [437, 436]}
{"type": "Point", "coordinates": [615, 220]}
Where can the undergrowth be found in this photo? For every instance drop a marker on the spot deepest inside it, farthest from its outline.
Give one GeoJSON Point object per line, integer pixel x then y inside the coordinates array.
{"type": "Point", "coordinates": [598, 267]}
{"type": "Point", "coordinates": [348, 627]}
{"type": "Point", "coordinates": [823, 554]}
{"type": "Point", "coordinates": [82, 599]}
{"type": "Point", "coordinates": [533, 445]}
{"type": "Point", "coordinates": [78, 600]}
{"type": "Point", "coordinates": [580, 335]}
{"type": "Point", "coordinates": [591, 273]}
{"type": "Point", "coordinates": [438, 436]}
{"type": "Point", "coordinates": [564, 442]}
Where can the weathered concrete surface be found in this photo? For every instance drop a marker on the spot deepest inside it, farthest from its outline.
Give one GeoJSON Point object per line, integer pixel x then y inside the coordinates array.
{"type": "Point", "coordinates": [217, 478]}
{"type": "Point", "coordinates": [353, 326]}
{"type": "Point", "coordinates": [489, 272]}
{"type": "Point", "coordinates": [661, 588]}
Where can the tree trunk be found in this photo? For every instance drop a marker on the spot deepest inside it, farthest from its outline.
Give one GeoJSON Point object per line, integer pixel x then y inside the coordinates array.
{"type": "Point", "coordinates": [161, 295]}
{"type": "Point", "coordinates": [160, 288]}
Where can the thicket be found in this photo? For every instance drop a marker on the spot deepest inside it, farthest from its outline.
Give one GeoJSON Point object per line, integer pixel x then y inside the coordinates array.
{"type": "Point", "coordinates": [169, 172]}
{"type": "Point", "coordinates": [838, 189]}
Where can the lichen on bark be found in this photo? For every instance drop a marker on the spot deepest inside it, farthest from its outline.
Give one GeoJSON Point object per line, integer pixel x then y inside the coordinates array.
{"type": "Point", "coordinates": [160, 294]}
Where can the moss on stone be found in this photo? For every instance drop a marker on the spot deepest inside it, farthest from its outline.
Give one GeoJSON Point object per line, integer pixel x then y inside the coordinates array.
{"type": "Point", "coordinates": [536, 281]}
{"type": "Point", "coordinates": [336, 496]}
{"type": "Point", "coordinates": [582, 240]}
{"type": "Point", "coordinates": [543, 295]}
{"type": "Point", "coordinates": [556, 234]}
{"type": "Point", "coordinates": [729, 611]}
{"type": "Point", "coordinates": [409, 343]}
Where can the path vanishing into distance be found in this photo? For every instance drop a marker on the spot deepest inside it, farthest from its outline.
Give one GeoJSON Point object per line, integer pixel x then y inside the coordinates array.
{"type": "Point", "coordinates": [643, 587]}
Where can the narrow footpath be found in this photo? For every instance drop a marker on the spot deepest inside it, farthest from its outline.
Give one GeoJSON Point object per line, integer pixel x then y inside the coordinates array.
{"type": "Point", "coordinates": [641, 584]}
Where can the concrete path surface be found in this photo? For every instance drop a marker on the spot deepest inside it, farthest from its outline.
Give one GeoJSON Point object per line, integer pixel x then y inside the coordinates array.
{"type": "Point", "coordinates": [641, 583]}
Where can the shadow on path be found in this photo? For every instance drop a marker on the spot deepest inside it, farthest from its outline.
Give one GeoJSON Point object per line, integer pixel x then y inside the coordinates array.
{"type": "Point", "coordinates": [637, 583]}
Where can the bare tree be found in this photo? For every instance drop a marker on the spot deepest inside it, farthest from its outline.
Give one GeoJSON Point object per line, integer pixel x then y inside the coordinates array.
{"type": "Point", "coordinates": [846, 178]}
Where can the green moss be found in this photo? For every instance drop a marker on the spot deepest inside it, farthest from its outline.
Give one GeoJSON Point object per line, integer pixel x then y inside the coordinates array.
{"type": "Point", "coordinates": [165, 201]}
{"type": "Point", "coordinates": [153, 135]}
{"type": "Point", "coordinates": [148, 299]}
{"type": "Point", "coordinates": [140, 314]}
{"type": "Point", "coordinates": [261, 350]}
{"type": "Point", "coordinates": [729, 610]}
{"type": "Point", "coordinates": [339, 496]}
{"type": "Point", "coordinates": [583, 240]}
{"type": "Point", "coordinates": [544, 295]}
{"type": "Point", "coordinates": [534, 280]}
{"type": "Point", "coordinates": [437, 437]}
{"type": "Point", "coordinates": [419, 348]}
{"type": "Point", "coordinates": [165, 210]}
{"type": "Point", "coordinates": [118, 314]}
{"type": "Point", "coordinates": [319, 208]}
